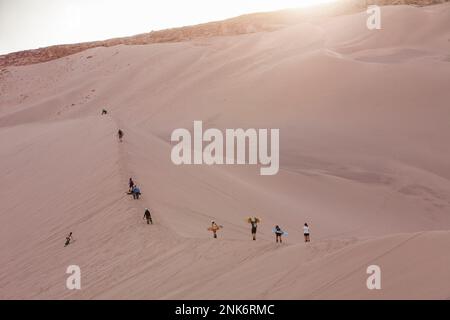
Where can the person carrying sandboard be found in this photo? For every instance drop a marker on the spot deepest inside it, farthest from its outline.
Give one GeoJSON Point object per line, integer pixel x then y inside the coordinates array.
{"type": "Point", "coordinates": [254, 222]}
{"type": "Point", "coordinates": [278, 233]}
{"type": "Point", "coordinates": [214, 228]}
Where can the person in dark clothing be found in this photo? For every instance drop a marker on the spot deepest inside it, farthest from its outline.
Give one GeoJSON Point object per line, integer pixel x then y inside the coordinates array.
{"type": "Point", "coordinates": [131, 184]}
{"type": "Point", "coordinates": [104, 112]}
{"type": "Point", "coordinates": [254, 222]}
{"type": "Point", "coordinates": [68, 239]}
{"type": "Point", "coordinates": [120, 134]}
{"type": "Point", "coordinates": [148, 216]}
{"type": "Point", "coordinates": [278, 233]}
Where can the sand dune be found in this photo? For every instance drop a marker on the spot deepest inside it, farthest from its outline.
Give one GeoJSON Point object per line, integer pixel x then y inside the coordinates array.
{"type": "Point", "coordinates": [245, 24]}
{"type": "Point", "coordinates": [363, 118]}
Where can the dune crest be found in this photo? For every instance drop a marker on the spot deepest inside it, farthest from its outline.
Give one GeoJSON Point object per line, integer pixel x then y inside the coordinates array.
{"type": "Point", "coordinates": [250, 23]}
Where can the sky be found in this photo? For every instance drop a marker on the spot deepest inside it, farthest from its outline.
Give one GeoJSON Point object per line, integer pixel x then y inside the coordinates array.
{"type": "Point", "coordinates": [30, 24]}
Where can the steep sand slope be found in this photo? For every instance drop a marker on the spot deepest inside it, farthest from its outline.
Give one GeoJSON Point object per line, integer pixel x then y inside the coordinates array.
{"type": "Point", "coordinates": [363, 118]}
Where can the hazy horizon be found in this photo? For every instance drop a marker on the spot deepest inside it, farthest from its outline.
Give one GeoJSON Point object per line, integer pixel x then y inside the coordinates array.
{"type": "Point", "coordinates": [26, 25]}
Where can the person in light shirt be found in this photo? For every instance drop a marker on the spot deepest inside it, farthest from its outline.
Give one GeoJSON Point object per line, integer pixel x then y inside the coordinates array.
{"type": "Point", "coordinates": [306, 232]}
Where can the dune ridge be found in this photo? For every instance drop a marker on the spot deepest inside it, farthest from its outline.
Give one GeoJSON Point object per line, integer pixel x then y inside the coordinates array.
{"type": "Point", "coordinates": [249, 23]}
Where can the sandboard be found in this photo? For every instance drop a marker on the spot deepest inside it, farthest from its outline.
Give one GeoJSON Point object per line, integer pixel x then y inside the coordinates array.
{"type": "Point", "coordinates": [215, 229]}
{"type": "Point", "coordinates": [249, 220]}
{"type": "Point", "coordinates": [284, 233]}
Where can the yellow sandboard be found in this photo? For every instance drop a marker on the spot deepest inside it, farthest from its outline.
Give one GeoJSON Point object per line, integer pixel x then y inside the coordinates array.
{"type": "Point", "coordinates": [249, 219]}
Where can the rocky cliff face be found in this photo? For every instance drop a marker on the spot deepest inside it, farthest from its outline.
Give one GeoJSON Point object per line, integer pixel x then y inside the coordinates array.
{"type": "Point", "coordinates": [257, 22]}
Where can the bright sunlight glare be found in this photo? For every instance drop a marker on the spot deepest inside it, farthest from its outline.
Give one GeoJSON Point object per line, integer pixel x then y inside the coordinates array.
{"type": "Point", "coordinates": [28, 24]}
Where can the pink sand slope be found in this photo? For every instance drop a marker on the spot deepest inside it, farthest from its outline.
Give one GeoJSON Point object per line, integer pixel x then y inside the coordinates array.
{"type": "Point", "coordinates": [364, 119]}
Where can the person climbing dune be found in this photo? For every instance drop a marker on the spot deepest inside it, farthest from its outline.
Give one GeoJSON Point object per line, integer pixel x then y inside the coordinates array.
{"type": "Point", "coordinates": [254, 223]}
{"type": "Point", "coordinates": [306, 232]}
{"type": "Point", "coordinates": [68, 239]}
{"type": "Point", "coordinates": [130, 184]}
{"type": "Point", "coordinates": [278, 234]}
{"type": "Point", "coordinates": [148, 216]}
{"type": "Point", "coordinates": [136, 192]}
{"type": "Point", "coordinates": [214, 228]}
{"type": "Point", "coordinates": [120, 134]}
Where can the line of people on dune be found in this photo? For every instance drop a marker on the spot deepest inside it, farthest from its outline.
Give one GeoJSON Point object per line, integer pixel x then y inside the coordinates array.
{"type": "Point", "coordinates": [214, 228]}
{"type": "Point", "coordinates": [254, 225]}
{"type": "Point", "coordinates": [135, 191]}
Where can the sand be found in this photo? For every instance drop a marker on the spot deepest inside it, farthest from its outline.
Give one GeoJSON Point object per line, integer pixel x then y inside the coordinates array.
{"type": "Point", "coordinates": [364, 159]}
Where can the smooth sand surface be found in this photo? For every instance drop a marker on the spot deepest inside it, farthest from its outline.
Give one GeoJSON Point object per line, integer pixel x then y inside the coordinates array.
{"type": "Point", "coordinates": [364, 119]}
